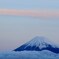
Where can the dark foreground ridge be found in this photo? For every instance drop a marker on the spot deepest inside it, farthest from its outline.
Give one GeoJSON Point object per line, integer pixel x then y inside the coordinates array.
{"type": "Point", "coordinates": [38, 44]}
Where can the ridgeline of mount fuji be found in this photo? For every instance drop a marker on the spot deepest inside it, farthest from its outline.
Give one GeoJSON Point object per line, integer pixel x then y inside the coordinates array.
{"type": "Point", "coordinates": [38, 44]}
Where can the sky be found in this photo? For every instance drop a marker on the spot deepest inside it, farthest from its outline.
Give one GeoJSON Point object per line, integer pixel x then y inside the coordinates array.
{"type": "Point", "coordinates": [22, 20]}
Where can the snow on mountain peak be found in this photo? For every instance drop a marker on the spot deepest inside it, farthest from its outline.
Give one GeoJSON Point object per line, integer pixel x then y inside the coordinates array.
{"type": "Point", "coordinates": [38, 42]}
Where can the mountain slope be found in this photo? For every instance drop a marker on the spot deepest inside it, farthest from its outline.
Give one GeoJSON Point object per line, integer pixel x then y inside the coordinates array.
{"type": "Point", "coordinates": [38, 44]}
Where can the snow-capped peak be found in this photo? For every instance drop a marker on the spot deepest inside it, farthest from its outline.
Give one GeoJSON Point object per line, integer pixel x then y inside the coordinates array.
{"type": "Point", "coordinates": [38, 44]}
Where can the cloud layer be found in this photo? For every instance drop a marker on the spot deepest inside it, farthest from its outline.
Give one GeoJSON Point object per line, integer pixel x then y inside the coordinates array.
{"type": "Point", "coordinates": [28, 55]}
{"type": "Point", "coordinates": [33, 13]}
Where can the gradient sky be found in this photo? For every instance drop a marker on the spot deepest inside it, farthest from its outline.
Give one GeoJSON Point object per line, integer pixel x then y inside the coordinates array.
{"type": "Point", "coordinates": [18, 29]}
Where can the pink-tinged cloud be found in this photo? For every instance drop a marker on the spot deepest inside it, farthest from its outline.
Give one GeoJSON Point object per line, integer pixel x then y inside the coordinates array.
{"type": "Point", "coordinates": [33, 13]}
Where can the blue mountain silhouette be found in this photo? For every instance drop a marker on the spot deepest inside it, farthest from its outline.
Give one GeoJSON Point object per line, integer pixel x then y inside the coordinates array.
{"type": "Point", "coordinates": [38, 44]}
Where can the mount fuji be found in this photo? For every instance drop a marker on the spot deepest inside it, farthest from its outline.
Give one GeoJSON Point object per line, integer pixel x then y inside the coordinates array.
{"type": "Point", "coordinates": [37, 48]}
{"type": "Point", "coordinates": [39, 44]}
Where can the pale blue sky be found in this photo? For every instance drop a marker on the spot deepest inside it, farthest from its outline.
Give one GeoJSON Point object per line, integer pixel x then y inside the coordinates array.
{"type": "Point", "coordinates": [29, 4]}
{"type": "Point", "coordinates": [16, 30]}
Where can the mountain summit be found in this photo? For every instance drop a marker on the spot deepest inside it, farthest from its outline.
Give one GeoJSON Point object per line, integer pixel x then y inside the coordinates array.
{"type": "Point", "coordinates": [38, 44]}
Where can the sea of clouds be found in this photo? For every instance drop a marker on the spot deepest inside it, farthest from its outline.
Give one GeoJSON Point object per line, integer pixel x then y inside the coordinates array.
{"type": "Point", "coordinates": [28, 55]}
